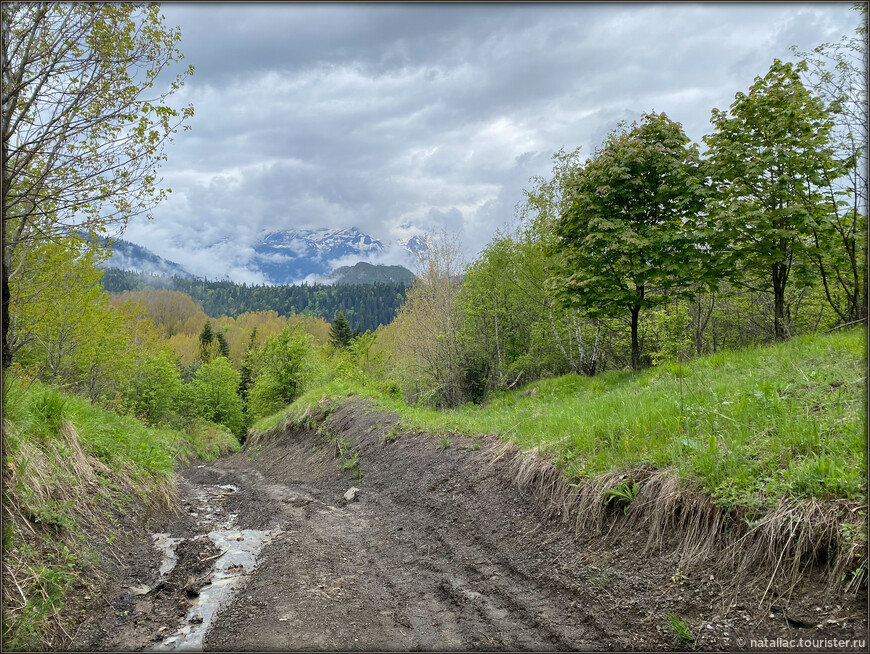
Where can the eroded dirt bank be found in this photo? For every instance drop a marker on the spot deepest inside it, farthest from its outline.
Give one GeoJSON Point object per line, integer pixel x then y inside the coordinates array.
{"type": "Point", "coordinates": [436, 551]}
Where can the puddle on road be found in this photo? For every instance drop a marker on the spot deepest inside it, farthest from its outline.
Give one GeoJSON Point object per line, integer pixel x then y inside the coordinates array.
{"type": "Point", "coordinates": [240, 549]}
{"type": "Point", "coordinates": [167, 544]}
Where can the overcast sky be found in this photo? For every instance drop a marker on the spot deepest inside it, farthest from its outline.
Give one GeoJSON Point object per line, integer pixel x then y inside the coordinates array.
{"type": "Point", "coordinates": [401, 119]}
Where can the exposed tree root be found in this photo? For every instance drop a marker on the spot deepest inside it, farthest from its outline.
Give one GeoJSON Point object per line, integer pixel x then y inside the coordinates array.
{"type": "Point", "coordinates": [776, 549]}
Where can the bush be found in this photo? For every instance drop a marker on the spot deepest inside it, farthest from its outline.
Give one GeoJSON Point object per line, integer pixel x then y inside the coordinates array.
{"type": "Point", "coordinates": [215, 387]}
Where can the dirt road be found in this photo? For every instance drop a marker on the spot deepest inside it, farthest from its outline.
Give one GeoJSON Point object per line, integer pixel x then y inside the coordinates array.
{"type": "Point", "coordinates": [436, 550]}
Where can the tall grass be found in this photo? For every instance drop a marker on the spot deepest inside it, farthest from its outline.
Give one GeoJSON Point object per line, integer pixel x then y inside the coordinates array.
{"type": "Point", "coordinates": [66, 464]}
{"type": "Point", "coordinates": [749, 427]}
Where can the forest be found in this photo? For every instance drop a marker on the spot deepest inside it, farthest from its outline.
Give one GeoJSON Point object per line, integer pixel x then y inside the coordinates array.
{"type": "Point", "coordinates": [366, 306]}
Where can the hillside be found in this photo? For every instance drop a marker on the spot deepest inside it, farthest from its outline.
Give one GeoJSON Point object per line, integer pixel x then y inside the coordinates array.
{"type": "Point", "coordinates": [744, 438]}
{"type": "Point", "coordinates": [135, 258]}
{"type": "Point", "coordinates": [365, 305]}
{"type": "Point", "coordinates": [471, 543]}
{"type": "Point", "coordinates": [366, 273]}
{"type": "Point", "coordinates": [79, 486]}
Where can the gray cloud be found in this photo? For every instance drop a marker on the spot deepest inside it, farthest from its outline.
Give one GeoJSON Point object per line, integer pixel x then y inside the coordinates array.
{"type": "Point", "coordinates": [398, 118]}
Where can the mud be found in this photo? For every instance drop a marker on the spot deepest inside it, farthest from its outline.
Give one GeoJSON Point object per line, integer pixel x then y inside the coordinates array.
{"type": "Point", "coordinates": [437, 551]}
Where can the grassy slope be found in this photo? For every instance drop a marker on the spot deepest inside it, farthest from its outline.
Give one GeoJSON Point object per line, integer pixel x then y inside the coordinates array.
{"type": "Point", "coordinates": [69, 469]}
{"type": "Point", "coordinates": [749, 427]}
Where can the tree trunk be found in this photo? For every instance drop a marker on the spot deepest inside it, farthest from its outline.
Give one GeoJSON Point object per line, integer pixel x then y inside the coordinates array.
{"type": "Point", "coordinates": [779, 279]}
{"type": "Point", "coordinates": [5, 263]}
{"type": "Point", "coordinates": [635, 345]}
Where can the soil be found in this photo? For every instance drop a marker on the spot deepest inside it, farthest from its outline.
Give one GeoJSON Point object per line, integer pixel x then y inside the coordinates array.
{"type": "Point", "coordinates": [436, 551]}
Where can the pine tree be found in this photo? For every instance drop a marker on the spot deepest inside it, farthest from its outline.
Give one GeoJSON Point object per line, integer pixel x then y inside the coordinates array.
{"type": "Point", "coordinates": [206, 336]}
{"type": "Point", "coordinates": [223, 346]}
{"type": "Point", "coordinates": [340, 333]}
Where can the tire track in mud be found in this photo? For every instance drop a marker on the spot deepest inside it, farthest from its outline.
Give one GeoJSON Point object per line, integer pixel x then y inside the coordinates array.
{"type": "Point", "coordinates": [410, 565]}
{"type": "Point", "coordinates": [438, 551]}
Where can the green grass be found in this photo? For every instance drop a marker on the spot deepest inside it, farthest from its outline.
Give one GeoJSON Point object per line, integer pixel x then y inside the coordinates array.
{"type": "Point", "coordinates": [750, 427]}
{"type": "Point", "coordinates": [124, 444]}
{"type": "Point", "coordinates": [680, 629]}
{"type": "Point", "coordinates": [65, 462]}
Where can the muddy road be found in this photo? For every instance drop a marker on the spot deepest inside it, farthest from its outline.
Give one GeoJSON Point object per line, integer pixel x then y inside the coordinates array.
{"type": "Point", "coordinates": [356, 537]}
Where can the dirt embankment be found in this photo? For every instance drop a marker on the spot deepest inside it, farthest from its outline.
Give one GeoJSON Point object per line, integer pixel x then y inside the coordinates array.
{"type": "Point", "coordinates": [438, 549]}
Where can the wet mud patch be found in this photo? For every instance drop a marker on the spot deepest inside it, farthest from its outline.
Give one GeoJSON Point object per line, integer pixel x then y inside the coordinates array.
{"type": "Point", "coordinates": [194, 565]}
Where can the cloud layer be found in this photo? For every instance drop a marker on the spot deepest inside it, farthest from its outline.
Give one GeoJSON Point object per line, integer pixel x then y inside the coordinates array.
{"type": "Point", "coordinates": [401, 119]}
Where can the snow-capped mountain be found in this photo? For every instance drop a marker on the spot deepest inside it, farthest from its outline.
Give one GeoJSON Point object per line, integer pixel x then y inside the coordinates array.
{"type": "Point", "coordinates": [280, 257]}
{"type": "Point", "coordinates": [290, 255]}
{"type": "Point", "coordinates": [415, 244]}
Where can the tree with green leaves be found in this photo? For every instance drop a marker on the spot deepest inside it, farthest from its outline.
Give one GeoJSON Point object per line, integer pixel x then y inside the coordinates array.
{"type": "Point", "coordinates": [212, 344]}
{"type": "Point", "coordinates": [64, 326]}
{"type": "Point", "coordinates": [769, 158]}
{"type": "Point", "coordinates": [283, 364]}
{"type": "Point", "coordinates": [837, 74]}
{"type": "Point", "coordinates": [428, 356]}
{"type": "Point", "coordinates": [577, 336]}
{"type": "Point", "coordinates": [632, 236]}
{"type": "Point", "coordinates": [246, 371]}
{"type": "Point", "coordinates": [154, 389]}
{"type": "Point", "coordinates": [340, 333]}
{"type": "Point", "coordinates": [84, 122]}
{"type": "Point", "coordinates": [215, 388]}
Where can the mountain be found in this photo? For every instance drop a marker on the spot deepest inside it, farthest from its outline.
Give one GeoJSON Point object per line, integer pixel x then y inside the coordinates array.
{"type": "Point", "coordinates": [287, 257]}
{"type": "Point", "coordinates": [415, 244]}
{"type": "Point", "coordinates": [290, 255]}
{"type": "Point", "coordinates": [366, 273]}
{"type": "Point", "coordinates": [129, 256]}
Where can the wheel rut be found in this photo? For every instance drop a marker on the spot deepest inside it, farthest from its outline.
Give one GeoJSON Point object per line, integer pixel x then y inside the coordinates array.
{"type": "Point", "coordinates": [436, 551]}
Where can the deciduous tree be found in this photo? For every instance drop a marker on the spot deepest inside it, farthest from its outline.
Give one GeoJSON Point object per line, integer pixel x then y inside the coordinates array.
{"type": "Point", "coordinates": [427, 325]}
{"type": "Point", "coordinates": [283, 364]}
{"type": "Point", "coordinates": [770, 155]}
{"type": "Point", "coordinates": [84, 121]}
{"type": "Point", "coordinates": [837, 74]}
{"type": "Point", "coordinates": [216, 391]}
{"type": "Point", "coordinates": [630, 239]}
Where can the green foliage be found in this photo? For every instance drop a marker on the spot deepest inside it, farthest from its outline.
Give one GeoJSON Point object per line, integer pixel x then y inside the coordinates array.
{"type": "Point", "coordinates": [837, 75]}
{"type": "Point", "coordinates": [155, 391]}
{"type": "Point", "coordinates": [64, 326]}
{"type": "Point", "coordinates": [631, 236]}
{"type": "Point", "coordinates": [428, 357]}
{"type": "Point", "coordinates": [215, 387]}
{"type": "Point", "coordinates": [340, 333]}
{"type": "Point", "coordinates": [770, 157]}
{"type": "Point", "coordinates": [85, 124]}
{"type": "Point", "coordinates": [366, 305]}
{"type": "Point", "coordinates": [65, 459]}
{"type": "Point", "coordinates": [622, 495]}
{"type": "Point", "coordinates": [680, 629]}
{"type": "Point", "coordinates": [212, 344]}
{"type": "Point", "coordinates": [511, 329]}
{"type": "Point", "coordinates": [348, 461]}
{"type": "Point", "coordinates": [751, 427]}
{"type": "Point", "coordinates": [47, 587]}
{"type": "Point", "coordinates": [670, 325]}
{"type": "Point", "coordinates": [283, 364]}
{"type": "Point", "coordinates": [351, 463]}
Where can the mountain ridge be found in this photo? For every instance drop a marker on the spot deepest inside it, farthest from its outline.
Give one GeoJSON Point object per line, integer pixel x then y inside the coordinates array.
{"type": "Point", "coordinates": [290, 256]}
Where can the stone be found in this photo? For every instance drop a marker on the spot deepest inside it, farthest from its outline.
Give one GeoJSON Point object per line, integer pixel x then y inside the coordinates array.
{"type": "Point", "coordinates": [351, 494]}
